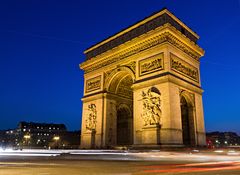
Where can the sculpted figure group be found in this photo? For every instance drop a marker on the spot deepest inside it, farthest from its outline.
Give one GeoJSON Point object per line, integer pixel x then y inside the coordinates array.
{"type": "Point", "coordinates": [151, 108]}
{"type": "Point", "coordinates": [92, 117]}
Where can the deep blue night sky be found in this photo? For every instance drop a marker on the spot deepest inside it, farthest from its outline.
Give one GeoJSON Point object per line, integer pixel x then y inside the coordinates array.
{"type": "Point", "coordinates": [42, 43]}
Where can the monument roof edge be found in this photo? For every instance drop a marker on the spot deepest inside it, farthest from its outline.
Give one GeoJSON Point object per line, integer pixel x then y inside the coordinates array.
{"type": "Point", "coordinates": [138, 23]}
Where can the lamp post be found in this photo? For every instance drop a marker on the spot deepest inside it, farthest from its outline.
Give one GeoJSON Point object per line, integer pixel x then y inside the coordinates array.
{"type": "Point", "coordinates": [56, 139]}
{"type": "Point", "coordinates": [27, 138]}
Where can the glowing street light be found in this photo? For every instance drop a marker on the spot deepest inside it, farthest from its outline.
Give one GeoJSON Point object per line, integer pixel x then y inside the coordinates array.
{"type": "Point", "coordinates": [27, 137]}
{"type": "Point", "coordinates": [56, 138]}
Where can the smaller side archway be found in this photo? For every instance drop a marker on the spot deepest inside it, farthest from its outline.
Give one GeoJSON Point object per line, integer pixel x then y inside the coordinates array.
{"type": "Point", "coordinates": [188, 120]}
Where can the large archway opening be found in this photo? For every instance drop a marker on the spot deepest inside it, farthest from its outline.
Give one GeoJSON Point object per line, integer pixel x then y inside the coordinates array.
{"type": "Point", "coordinates": [121, 88]}
{"type": "Point", "coordinates": [188, 133]}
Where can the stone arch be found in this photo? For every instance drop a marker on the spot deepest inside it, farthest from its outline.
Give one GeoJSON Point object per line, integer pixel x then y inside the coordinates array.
{"type": "Point", "coordinates": [155, 90]}
{"type": "Point", "coordinates": [119, 86]}
{"type": "Point", "coordinates": [124, 106]}
{"type": "Point", "coordinates": [118, 73]}
{"type": "Point", "coordinates": [189, 97]}
{"type": "Point", "coordinates": [122, 69]}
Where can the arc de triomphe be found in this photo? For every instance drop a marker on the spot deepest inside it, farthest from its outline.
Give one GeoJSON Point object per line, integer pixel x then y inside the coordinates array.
{"type": "Point", "coordinates": [142, 87]}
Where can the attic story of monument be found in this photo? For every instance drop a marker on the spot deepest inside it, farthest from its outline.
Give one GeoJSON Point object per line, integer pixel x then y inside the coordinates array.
{"type": "Point", "coordinates": [142, 87]}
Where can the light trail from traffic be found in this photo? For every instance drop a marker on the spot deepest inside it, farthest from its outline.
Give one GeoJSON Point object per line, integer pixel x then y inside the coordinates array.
{"type": "Point", "coordinates": [195, 167]}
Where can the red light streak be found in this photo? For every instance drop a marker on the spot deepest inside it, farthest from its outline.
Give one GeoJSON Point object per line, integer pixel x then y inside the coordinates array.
{"type": "Point", "coordinates": [197, 167]}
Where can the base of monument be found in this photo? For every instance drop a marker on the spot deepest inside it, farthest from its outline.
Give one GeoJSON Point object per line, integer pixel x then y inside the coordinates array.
{"type": "Point", "coordinates": [159, 146]}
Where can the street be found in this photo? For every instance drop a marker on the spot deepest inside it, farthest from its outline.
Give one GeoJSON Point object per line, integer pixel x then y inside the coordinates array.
{"type": "Point", "coordinates": [83, 162]}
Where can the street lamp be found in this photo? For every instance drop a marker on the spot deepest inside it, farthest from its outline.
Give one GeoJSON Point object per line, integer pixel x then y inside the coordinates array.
{"type": "Point", "coordinates": [56, 139]}
{"type": "Point", "coordinates": [27, 137]}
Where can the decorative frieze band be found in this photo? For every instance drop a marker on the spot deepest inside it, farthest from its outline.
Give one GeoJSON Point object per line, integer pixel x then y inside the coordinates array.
{"type": "Point", "coordinates": [151, 64]}
{"type": "Point", "coordinates": [93, 84]}
{"type": "Point", "coordinates": [184, 68]}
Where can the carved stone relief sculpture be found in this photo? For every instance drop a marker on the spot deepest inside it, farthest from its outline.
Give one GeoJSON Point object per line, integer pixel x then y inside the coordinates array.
{"type": "Point", "coordinates": [91, 120]}
{"type": "Point", "coordinates": [151, 107]}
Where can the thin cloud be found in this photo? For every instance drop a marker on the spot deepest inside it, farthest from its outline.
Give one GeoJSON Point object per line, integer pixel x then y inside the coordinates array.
{"type": "Point", "coordinates": [46, 37]}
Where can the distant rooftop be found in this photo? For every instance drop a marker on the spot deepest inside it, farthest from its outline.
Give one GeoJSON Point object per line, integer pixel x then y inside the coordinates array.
{"type": "Point", "coordinates": [33, 124]}
{"type": "Point", "coordinates": [150, 23]}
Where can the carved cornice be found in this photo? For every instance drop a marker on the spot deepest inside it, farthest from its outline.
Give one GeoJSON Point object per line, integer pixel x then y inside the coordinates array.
{"type": "Point", "coordinates": [150, 23]}
{"type": "Point", "coordinates": [165, 37]}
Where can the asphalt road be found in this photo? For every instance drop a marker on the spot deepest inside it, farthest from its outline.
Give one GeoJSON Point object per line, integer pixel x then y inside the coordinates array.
{"type": "Point", "coordinates": [120, 163]}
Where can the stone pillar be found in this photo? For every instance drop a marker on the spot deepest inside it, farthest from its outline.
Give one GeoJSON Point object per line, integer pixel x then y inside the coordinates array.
{"type": "Point", "coordinates": [92, 122]}
{"type": "Point", "coordinates": [151, 135]}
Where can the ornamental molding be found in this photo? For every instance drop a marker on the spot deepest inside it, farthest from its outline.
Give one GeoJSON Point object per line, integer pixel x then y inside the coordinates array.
{"type": "Point", "coordinates": [145, 26]}
{"type": "Point", "coordinates": [132, 66]}
{"type": "Point", "coordinates": [166, 37]}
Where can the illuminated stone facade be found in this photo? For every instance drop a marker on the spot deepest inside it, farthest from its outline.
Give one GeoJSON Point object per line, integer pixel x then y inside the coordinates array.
{"type": "Point", "coordinates": [142, 87]}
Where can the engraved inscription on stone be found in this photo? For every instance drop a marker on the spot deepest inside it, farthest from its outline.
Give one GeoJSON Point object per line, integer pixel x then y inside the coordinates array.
{"type": "Point", "coordinates": [93, 84]}
{"type": "Point", "coordinates": [184, 68]}
{"type": "Point", "coordinates": [151, 64]}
